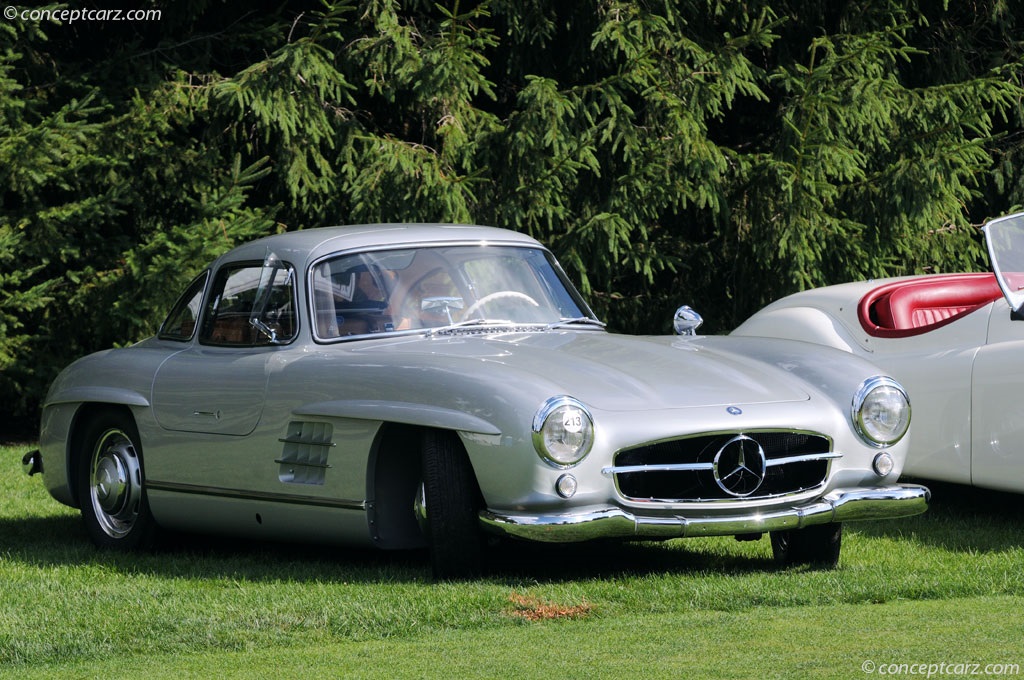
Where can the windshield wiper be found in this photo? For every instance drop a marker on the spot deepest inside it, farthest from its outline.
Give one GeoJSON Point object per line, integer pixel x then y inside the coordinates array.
{"type": "Point", "coordinates": [468, 323]}
{"type": "Point", "coordinates": [584, 320]}
{"type": "Point", "coordinates": [580, 320]}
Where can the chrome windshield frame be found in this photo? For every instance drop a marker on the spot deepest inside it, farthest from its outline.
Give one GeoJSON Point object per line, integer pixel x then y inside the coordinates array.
{"type": "Point", "coordinates": [498, 326]}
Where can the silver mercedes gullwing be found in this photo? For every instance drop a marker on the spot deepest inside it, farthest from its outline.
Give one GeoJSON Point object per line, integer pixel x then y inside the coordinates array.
{"type": "Point", "coordinates": [403, 385]}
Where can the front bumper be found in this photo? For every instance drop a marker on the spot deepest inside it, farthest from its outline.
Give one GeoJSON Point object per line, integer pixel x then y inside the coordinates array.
{"type": "Point", "coordinates": [32, 463]}
{"type": "Point", "coordinates": [841, 505]}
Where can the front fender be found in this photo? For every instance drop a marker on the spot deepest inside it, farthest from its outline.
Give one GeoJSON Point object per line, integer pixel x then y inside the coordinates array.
{"type": "Point", "coordinates": [101, 395]}
{"type": "Point", "coordinates": [405, 413]}
{"type": "Point", "coordinates": [834, 374]}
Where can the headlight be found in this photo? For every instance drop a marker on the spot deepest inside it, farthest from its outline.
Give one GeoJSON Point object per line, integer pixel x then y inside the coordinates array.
{"type": "Point", "coordinates": [563, 431]}
{"type": "Point", "coordinates": [881, 411]}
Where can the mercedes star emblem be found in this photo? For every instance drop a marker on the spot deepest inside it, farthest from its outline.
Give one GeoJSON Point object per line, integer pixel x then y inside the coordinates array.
{"type": "Point", "coordinates": [739, 466]}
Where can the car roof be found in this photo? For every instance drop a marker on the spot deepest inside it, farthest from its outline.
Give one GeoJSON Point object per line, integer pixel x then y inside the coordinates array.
{"type": "Point", "coordinates": [301, 247]}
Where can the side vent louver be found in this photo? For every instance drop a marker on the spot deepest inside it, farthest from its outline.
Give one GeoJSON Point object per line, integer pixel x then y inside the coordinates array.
{"type": "Point", "coordinates": [306, 448]}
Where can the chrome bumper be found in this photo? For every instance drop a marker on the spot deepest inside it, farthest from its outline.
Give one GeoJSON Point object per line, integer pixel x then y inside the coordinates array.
{"type": "Point", "coordinates": [841, 505]}
{"type": "Point", "coordinates": [32, 462]}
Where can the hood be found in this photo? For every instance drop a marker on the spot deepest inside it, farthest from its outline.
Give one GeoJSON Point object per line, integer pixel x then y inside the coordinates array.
{"type": "Point", "coordinates": [608, 371]}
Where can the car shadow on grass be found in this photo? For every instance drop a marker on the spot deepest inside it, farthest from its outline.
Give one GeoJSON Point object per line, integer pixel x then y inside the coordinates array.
{"type": "Point", "coordinates": [61, 541]}
{"type": "Point", "coordinates": [614, 559]}
{"type": "Point", "coordinates": [960, 519]}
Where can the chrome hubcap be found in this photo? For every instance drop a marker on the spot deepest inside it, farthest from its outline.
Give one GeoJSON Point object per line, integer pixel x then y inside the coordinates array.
{"type": "Point", "coordinates": [115, 485]}
{"type": "Point", "coordinates": [419, 508]}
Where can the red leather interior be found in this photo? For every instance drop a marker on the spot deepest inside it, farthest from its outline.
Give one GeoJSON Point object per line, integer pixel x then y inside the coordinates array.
{"type": "Point", "coordinates": [916, 306]}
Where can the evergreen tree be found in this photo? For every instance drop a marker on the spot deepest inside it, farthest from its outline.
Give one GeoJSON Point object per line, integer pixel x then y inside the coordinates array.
{"type": "Point", "coordinates": [703, 151]}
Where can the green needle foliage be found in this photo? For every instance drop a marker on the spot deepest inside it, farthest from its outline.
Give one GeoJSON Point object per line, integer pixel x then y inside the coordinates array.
{"type": "Point", "coordinates": [717, 153]}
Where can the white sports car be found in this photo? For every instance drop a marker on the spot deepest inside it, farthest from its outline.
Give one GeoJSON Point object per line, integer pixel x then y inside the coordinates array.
{"type": "Point", "coordinates": [953, 340]}
{"type": "Point", "coordinates": [408, 385]}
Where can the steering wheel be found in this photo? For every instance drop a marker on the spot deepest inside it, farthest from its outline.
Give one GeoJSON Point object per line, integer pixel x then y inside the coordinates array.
{"type": "Point", "coordinates": [498, 296]}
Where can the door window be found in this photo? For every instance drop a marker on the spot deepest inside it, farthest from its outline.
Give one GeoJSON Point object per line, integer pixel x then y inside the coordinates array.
{"type": "Point", "coordinates": [251, 305]}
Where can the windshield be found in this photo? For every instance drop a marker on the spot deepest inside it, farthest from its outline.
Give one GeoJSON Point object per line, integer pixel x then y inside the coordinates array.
{"type": "Point", "coordinates": [1005, 237]}
{"type": "Point", "coordinates": [392, 291]}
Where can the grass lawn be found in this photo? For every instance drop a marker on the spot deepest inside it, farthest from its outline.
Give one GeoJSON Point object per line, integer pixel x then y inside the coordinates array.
{"type": "Point", "coordinates": [943, 588]}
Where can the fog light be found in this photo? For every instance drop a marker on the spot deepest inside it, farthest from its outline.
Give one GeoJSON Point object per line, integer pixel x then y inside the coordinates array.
{"type": "Point", "coordinates": [566, 486]}
{"type": "Point", "coordinates": [883, 464]}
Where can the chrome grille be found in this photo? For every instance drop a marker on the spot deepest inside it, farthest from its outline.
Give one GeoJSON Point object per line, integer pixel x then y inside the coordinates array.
{"type": "Point", "coordinates": [707, 467]}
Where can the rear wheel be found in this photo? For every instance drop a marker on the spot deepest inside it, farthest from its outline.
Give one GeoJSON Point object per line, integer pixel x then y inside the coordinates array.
{"type": "Point", "coordinates": [450, 508]}
{"type": "Point", "coordinates": [111, 495]}
{"type": "Point", "coordinates": [818, 546]}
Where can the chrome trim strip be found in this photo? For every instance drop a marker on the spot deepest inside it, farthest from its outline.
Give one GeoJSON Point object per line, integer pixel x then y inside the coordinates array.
{"type": "Point", "coordinates": [710, 502]}
{"type": "Point", "coordinates": [239, 494]}
{"type": "Point", "coordinates": [806, 458]}
{"type": "Point", "coordinates": [697, 467]}
{"type": "Point", "coordinates": [715, 433]}
{"type": "Point", "coordinates": [282, 461]}
{"type": "Point", "coordinates": [666, 467]}
{"type": "Point", "coordinates": [309, 442]}
{"type": "Point", "coordinates": [840, 505]}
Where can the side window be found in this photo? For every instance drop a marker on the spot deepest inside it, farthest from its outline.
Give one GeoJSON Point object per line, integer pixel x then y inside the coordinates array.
{"type": "Point", "coordinates": [251, 305]}
{"type": "Point", "coordinates": [180, 324]}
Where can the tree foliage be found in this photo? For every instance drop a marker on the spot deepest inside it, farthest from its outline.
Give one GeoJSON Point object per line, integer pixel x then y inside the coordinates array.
{"type": "Point", "coordinates": [702, 151]}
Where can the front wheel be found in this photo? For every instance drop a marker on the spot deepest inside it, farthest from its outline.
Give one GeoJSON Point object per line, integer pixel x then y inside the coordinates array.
{"type": "Point", "coordinates": [450, 508]}
{"type": "Point", "coordinates": [114, 506]}
{"type": "Point", "coordinates": [817, 545]}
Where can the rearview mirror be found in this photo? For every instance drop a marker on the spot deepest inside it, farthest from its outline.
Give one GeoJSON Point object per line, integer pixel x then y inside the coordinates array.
{"type": "Point", "coordinates": [442, 304]}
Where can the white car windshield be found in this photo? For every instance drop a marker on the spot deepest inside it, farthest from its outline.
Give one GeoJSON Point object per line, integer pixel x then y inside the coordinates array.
{"type": "Point", "coordinates": [1005, 237]}
{"type": "Point", "coordinates": [441, 287]}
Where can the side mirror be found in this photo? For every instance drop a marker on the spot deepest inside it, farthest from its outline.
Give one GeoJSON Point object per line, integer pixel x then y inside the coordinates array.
{"type": "Point", "coordinates": [686, 321]}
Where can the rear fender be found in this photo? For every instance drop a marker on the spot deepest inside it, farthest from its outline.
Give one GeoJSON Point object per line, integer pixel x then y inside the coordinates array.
{"type": "Point", "coordinates": [807, 324]}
